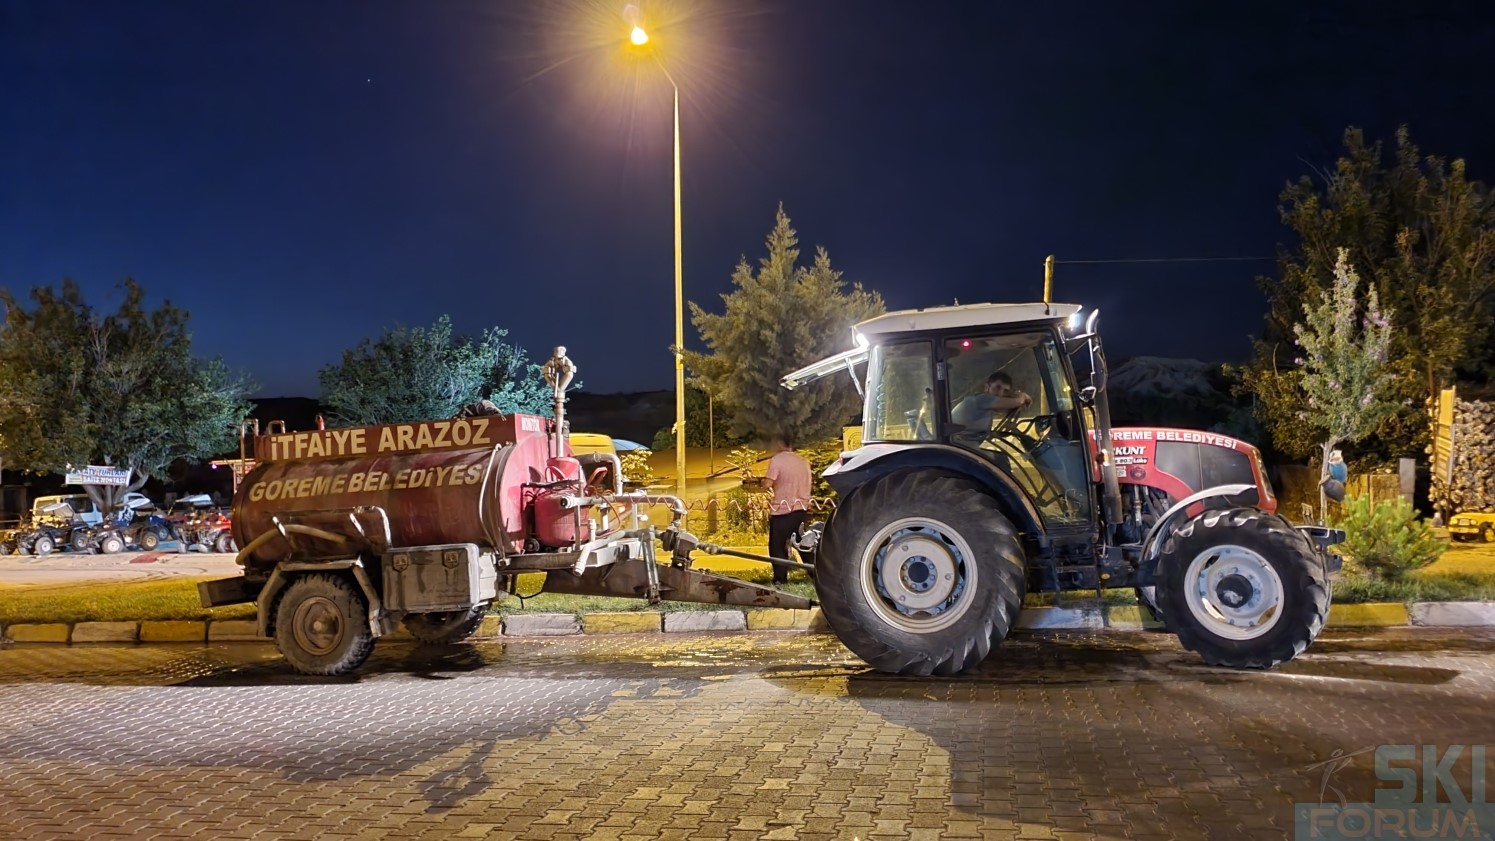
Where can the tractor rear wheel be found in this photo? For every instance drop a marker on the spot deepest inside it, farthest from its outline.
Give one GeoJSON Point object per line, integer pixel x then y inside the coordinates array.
{"type": "Point", "coordinates": [448, 627]}
{"type": "Point", "coordinates": [322, 625]}
{"type": "Point", "coordinates": [112, 544]}
{"type": "Point", "coordinates": [149, 540]}
{"type": "Point", "coordinates": [44, 545]}
{"type": "Point", "coordinates": [919, 573]}
{"type": "Point", "coordinates": [1242, 588]}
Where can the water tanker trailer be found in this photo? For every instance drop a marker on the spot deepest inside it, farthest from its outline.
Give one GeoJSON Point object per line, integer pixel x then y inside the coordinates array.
{"type": "Point", "coordinates": [348, 533]}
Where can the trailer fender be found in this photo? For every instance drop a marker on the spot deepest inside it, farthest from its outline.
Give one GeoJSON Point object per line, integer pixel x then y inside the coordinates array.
{"type": "Point", "coordinates": [284, 573]}
{"type": "Point", "coordinates": [1152, 544]}
{"type": "Point", "coordinates": [872, 461]}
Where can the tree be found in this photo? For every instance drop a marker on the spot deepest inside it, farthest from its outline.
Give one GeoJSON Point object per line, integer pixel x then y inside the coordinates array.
{"type": "Point", "coordinates": [1344, 375]}
{"type": "Point", "coordinates": [122, 389]}
{"type": "Point", "coordinates": [423, 373]}
{"type": "Point", "coordinates": [776, 320]}
{"type": "Point", "coordinates": [1425, 237]}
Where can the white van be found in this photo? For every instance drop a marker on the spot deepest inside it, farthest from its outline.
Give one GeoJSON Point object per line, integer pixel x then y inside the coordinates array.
{"type": "Point", "coordinates": [83, 506]}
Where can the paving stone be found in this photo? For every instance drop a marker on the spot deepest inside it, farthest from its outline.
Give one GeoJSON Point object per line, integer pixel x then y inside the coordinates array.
{"type": "Point", "coordinates": [106, 632]}
{"type": "Point", "coordinates": [1366, 615]}
{"type": "Point", "coordinates": [1050, 618]}
{"type": "Point", "coordinates": [778, 619]}
{"type": "Point", "coordinates": [233, 630]}
{"type": "Point", "coordinates": [174, 630]}
{"type": "Point", "coordinates": [624, 622]}
{"type": "Point", "coordinates": [705, 620]}
{"type": "Point", "coordinates": [1060, 735]}
{"type": "Point", "coordinates": [540, 624]}
{"type": "Point", "coordinates": [40, 632]}
{"type": "Point", "coordinates": [1464, 614]}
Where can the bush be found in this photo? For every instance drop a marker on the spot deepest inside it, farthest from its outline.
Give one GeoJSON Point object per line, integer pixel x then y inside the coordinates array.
{"type": "Point", "coordinates": [1388, 539]}
{"type": "Point", "coordinates": [636, 467]}
{"type": "Point", "coordinates": [820, 456]}
{"type": "Point", "coordinates": [744, 511]}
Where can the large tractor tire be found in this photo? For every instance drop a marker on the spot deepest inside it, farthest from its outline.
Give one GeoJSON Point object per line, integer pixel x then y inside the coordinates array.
{"type": "Point", "coordinates": [442, 628]}
{"type": "Point", "coordinates": [918, 573]}
{"type": "Point", "coordinates": [322, 625]}
{"type": "Point", "coordinates": [149, 540]}
{"type": "Point", "coordinates": [1242, 588]}
{"type": "Point", "coordinates": [111, 544]}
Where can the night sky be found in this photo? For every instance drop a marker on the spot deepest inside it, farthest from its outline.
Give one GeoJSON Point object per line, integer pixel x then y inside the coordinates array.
{"type": "Point", "coordinates": [300, 175]}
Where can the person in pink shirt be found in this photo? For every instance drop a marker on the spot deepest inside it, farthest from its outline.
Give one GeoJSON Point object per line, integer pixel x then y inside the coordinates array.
{"type": "Point", "coordinates": [789, 479]}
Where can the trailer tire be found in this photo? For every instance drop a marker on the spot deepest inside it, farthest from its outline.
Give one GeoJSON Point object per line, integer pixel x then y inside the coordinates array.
{"type": "Point", "coordinates": [448, 627]}
{"type": "Point", "coordinates": [919, 573]}
{"type": "Point", "coordinates": [1242, 588]}
{"type": "Point", "coordinates": [322, 625]}
{"type": "Point", "coordinates": [149, 540]}
{"type": "Point", "coordinates": [44, 545]}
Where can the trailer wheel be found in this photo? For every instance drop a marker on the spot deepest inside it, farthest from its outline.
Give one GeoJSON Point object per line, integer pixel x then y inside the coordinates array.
{"type": "Point", "coordinates": [149, 540]}
{"type": "Point", "coordinates": [111, 544]}
{"type": "Point", "coordinates": [44, 545]}
{"type": "Point", "coordinates": [919, 573]}
{"type": "Point", "coordinates": [322, 625]}
{"type": "Point", "coordinates": [448, 627]}
{"type": "Point", "coordinates": [1242, 589]}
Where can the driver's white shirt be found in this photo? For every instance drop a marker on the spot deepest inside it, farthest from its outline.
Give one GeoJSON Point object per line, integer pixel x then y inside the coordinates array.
{"type": "Point", "coordinates": [975, 410]}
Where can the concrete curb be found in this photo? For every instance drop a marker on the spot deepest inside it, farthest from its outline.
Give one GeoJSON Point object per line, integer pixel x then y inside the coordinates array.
{"type": "Point", "coordinates": [1115, 618]}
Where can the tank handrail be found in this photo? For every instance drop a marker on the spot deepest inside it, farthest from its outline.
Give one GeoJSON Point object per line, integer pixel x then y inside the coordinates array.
{"type": "Point", "coordinates": [498, 543]}
{"type": "Point", "coordinates": [283, 531]}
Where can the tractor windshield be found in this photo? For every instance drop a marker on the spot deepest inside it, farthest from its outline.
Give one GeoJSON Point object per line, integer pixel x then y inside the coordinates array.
{"type": "Point", "coordinates": [900, 393]}
{"type": "Point", "coordinates": [1010, 400]}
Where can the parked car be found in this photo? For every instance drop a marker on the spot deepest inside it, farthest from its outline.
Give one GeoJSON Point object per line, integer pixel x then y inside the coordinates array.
{"type": "Point", "coordinates": [83, 505]}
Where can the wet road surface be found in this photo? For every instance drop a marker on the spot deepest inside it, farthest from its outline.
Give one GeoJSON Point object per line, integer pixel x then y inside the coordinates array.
{"type": "Point", "coordinates": [1067, 736]}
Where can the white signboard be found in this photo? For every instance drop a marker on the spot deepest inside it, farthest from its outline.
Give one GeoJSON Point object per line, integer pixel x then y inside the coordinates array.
{"type": "Point", "coordinates": [96, 475]}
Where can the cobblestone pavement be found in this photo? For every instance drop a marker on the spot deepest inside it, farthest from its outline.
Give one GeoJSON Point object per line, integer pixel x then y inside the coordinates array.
{"type": "Point", "coordinates": [695, 736]}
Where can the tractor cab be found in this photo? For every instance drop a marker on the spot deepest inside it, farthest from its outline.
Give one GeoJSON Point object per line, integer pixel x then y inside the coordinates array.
{"type": "Point", "coordinates": [989, 381]}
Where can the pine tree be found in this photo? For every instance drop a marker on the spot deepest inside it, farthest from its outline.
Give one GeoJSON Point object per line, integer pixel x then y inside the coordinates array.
{"type": "Point", "coordinates": [776, 320]}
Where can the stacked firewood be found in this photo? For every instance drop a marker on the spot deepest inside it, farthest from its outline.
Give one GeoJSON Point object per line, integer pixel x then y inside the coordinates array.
{"type": "Point", "coordinates": [1470, 485]}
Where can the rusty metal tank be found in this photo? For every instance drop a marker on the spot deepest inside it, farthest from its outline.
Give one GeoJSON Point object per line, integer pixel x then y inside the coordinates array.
{"type": "Point", "coordinates": [449, 481]}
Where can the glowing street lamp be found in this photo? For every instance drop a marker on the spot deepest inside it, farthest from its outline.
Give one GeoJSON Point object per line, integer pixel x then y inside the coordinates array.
{"type": "Point", "coordinates": [639, 37]}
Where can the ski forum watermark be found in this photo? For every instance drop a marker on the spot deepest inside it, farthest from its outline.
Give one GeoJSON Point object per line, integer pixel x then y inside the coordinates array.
{"type": "Point", "coordinates": [1421, 791]}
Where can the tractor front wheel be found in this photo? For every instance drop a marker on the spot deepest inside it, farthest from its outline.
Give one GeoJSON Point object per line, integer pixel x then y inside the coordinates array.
{"type": "Point", "coordinates": [919, 573]}
{"type": "Point", "coordinates": [1242, 589]}
{"type": "Point", "coordinates": [322, 625]}
{"type": "Point", "coordinates": [443, 628]}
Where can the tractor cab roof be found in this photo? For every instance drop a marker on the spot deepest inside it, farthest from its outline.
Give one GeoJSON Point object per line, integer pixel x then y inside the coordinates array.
{"type": "Point", "coordinates": [956, 317]}
{"type": "Point", "coordinates": [931, 318]}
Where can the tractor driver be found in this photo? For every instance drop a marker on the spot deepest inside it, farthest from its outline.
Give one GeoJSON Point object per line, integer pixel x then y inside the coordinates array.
{"type": "Point", "coordinates": [995, 400]}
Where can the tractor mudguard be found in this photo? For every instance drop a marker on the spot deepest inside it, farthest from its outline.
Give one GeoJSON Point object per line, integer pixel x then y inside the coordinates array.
{"type": "Point", "coordinates": [1147, 561]}
{"type": "Point", "coordinates": [284, 572]}
{"type": "Point", "coordinates": [857, 467]}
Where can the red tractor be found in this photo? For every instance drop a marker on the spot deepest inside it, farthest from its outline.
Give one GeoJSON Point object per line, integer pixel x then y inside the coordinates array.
{"type": "Point", "coordinates": [961, 500]}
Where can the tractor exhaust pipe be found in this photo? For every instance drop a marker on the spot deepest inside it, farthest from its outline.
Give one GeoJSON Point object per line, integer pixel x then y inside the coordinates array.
{"type": "Point", "coordinates": [1099, 373]}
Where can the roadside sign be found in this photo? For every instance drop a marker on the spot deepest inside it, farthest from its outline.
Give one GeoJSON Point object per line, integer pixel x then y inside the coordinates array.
{"type": "Point", "coordinates": [96, 475]}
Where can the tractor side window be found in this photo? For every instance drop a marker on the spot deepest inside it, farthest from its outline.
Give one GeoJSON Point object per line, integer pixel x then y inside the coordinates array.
{"type": "Point", "coordinates": [1221, 466]}
{"type": "Point", "coordinates": [1180, 460]}
{"type": "Point", "coordinates": [1010, 401]}
{"type": "Point", "coordinates": [900, 393]}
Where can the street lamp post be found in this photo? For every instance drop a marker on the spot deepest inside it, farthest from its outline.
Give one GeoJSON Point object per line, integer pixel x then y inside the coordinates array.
{"type": "Point", "coordinates": [640, 37]}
